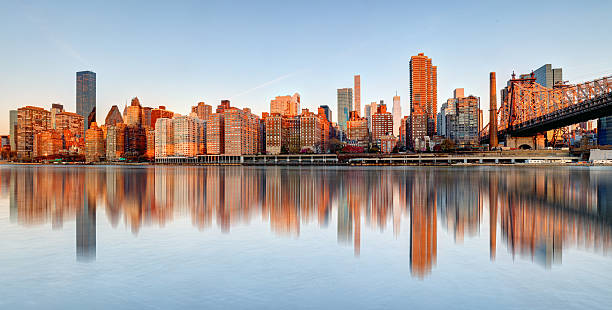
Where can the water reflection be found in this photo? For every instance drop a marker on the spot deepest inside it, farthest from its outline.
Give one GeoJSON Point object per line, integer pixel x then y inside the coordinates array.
{"type": "Point", "coordinates": [533, 213]}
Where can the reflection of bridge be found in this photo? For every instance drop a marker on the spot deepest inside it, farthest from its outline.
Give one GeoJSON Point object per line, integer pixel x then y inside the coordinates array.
{"type": "Point", "coordinates": [529, 108]}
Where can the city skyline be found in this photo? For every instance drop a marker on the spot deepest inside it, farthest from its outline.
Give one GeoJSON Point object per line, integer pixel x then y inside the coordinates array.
{"type": "Point", "coordinates": [123, 74]}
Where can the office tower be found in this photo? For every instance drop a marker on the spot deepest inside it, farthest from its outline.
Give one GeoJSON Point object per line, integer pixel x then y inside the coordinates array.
{"type": "Point", "coordinates": [423, 93]}
{"type": "Point", "coordinates": [164, 138]}
{"type": "Point", "coordinates": [357, 130]}
{"type": "Point", "coordinates": [113, 117]}
{"type": "Point", "coordinates": [357, 105]}
{"type": "Point", "coordinates": [310, 132]}
{"type": "Point", "coordinates": [133, 113]}
{"type": "Point", "coordinates": [115, 141]}
{"type": "Point", "coordinates": [30, 121]}
{"type": "Point", "coordinates": [328, 113]}
{"type": "Point", "coordinates": [382, 124]}
{"type": "Point", "coordinates": [185, 136]}
{"type": "Point", "coordinates": [55, 108]}
{"type": "Point", "coordinates": [277, 134]}
{"type": "Point", "coordinates": [13, 116]}
{"type": "Point", "coordinates": [286, 105]}
{"type": "Point", "coordinates": [202, 110]}
{"type": "Point", "coordinates": [158, 113]}
{"type": "Point", "coordinates": [397, 115]}
{"type": "Point", "coordinates": [547, 76]}
{"type": "Point", "coordinates": [94, 143]}
{"type": "Point", "coordinates": [86, 96]}
{"type": "Point", "coordinates": [345, 100]}
{"type": "Point", "coordinates": [604, 131]}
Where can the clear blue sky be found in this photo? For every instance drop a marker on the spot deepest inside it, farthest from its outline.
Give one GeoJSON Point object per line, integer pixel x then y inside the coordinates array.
{"type": "Point", "coordinates": [177, 54]}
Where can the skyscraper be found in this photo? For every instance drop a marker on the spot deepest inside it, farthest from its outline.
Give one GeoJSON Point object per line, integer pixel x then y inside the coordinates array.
{"type": "Point", "coordinates": [423, 92]}
{"type": "Point", "coordinates": [86, 96]}
{"type": "Point", "coordinates": [328, 114]}
{"type": "Point", "coordinates": [13, 129]}
{"type": "Point", "coordinates": [547, 76]}
{"type": "Point", "coordinates": [397, 115]}
{"type": "Point", "coordinates": [357, 106]}
{"type": "Point", "coordinates": [345, 100]}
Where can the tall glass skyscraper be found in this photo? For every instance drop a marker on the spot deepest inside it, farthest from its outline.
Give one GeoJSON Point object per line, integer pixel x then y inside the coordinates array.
{"type": "Point", "coordinates": [86, 96]}
{"type": "Point", "coordinates": [345, 102]}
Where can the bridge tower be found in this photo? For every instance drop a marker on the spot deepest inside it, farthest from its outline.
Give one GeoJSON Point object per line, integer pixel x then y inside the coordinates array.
{"type": "Point", "coordinates": [492, 112]}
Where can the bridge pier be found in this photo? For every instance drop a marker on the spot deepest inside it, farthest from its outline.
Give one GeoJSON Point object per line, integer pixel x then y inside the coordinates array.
{"type": "Point", "coordinates": [536, 142]}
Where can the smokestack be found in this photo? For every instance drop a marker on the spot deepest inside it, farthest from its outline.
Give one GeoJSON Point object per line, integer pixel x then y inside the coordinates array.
{"type": "Point", "coordinates": [493, 112]}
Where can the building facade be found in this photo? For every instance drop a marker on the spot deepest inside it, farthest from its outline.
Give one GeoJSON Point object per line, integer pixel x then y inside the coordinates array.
{"type": "Point", "coordinates": [345, 101]}
{"type": "Point", "coordinates": [357, 131]}
{"type": "Point", "coordinates": [424, 92]}
{"type": "Point", "coordinates": [397, 115]}
{"type": "Point", "coordinates": [164, 138]}
{"type": "Point", "coordinates": [94, 143]}
{"type": "Point", "coordinates": [285, 105]}
{"type": "Point", "coordinates": [357, 104]}
{"type": "Point", "coordinates": [86, 96]}
{"type": "Point", "coordinates": [382, 124]}
{"type": "Point", "coordinates": [30, 121]}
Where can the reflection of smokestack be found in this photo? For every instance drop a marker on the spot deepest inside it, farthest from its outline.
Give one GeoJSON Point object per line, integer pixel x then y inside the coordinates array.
{"type": "Point", "coordinates": [492, 218]}
{"type": "Point", "coordinates": [493, 111]}
{"type": "Point", "coordinates": [86, 229]}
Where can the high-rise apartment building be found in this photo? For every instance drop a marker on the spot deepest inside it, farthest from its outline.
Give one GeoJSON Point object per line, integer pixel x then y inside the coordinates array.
{"type": "Point", "coordinates": [47, 143]}
{"type": "Point", "coordinates": [294, 127]}
{"type": "Point", "coordinates": [328, 113]}
{"type": "Point", "coordinates": [164, 138]}
{"type": "Point", "coordinates": [55, 108]}
{"type": "Point", "coordinates": [277, 134]}
{"type": "Point", "coordinates": [215, 134]}
{"type": "Point", "coordinates": [133, 113]}
{"type": "Point", "coordinates": [115, 141]}
{"type": "Point", "coordinates": [241, 131]}
{"type": "Point", "coordinates": [345, 101]}
{"type": "Point", "coordinates": [30, 121]}
{"type": "Point", "coordinates": [186, 136]}
{"type": "Point", "coordinates": [357, 130]}
{"type": "Point", "coordinates": [310, 132]}
{"type": "Point", "coordinates": [325, 129]}
{"type": "Point", "coordinates": [459, 119]}
{"type": "Point", "coordinates": [286, 105]}
{"type": "Point", "coordinates": [94, 143]}
{"type": "Point", "coordinates": [70, 125]}
{"type": "Point", "coordinates": [86, 96]}
{"type": "Point", "coordinates": [145, 117]}
{"type": "Point", "coordinates": [423, 92]}
{"type": "Point", "coordinates": [158, 113]}
{"type": "Point", "coordinates": [397, 115]}
{"type": "Point", "coordinates": [382, 124]}
{"type": "Point", "coordinates": [202, 110]}
{"type": "Point", "coordinates": [357, 105]}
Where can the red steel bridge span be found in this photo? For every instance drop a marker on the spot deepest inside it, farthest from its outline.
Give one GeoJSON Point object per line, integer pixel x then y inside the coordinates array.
{"type": "Point", "coordinates": [530, 108]}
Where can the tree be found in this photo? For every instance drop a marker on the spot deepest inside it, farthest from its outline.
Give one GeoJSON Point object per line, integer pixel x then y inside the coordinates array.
{"type": "Point", "coordinates": [447, 145]}
{"type": "Point", "coordinates": [335, 145]}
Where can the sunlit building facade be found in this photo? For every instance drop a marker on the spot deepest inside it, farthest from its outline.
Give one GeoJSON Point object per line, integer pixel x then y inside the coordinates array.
{"type": "Point", "coordinates": [285, 105]}
{"type": "Point", "coordinates": [164, 138]}
{"type": "Point", "coordinates": [94, 143]}
{"type": "Point", "coordinates": [310, 132]}
{"type": "Point", "coordinates": [357, 131]}
{"type": "Point", "coordinates": [30, 121]}
{"type": "Point", "coordinates": [382, 124]}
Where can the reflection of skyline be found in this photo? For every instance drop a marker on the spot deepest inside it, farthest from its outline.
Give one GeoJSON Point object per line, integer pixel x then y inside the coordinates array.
{"type": "Point", "coordinates": [534, 214]}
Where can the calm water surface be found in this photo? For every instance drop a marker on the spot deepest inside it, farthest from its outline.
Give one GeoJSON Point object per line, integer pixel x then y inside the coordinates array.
{"type": "Point", "coordinates": [116, 237]}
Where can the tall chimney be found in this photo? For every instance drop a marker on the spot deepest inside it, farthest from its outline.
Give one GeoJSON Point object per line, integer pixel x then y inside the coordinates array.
{"type": "Point", "coordinates": [493, 112]}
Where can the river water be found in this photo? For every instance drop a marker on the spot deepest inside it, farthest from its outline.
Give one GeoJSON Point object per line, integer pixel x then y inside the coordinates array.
{"type": "Point", "coordinates": [161, 237]}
